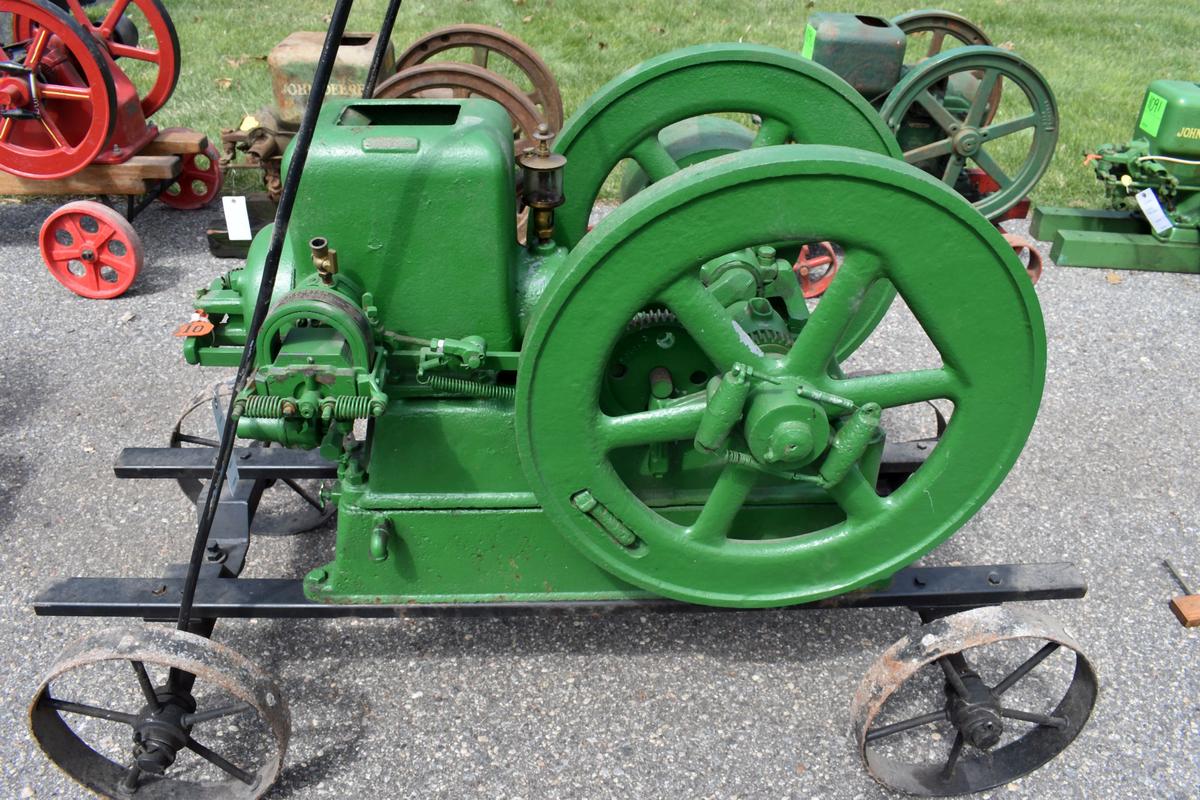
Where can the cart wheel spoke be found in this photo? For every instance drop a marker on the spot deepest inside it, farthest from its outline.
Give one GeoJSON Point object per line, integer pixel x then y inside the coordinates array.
{"type": "Point", "coordinates": [217, 713]}
{"type": "Point", "coordinates": [147, 687]}
{"type": "Point", "coordinates": [220, 761]}
{"type": "Point", "coordinates": [952, 761]}
{"type": "Point", "coordinates": [1025, 668]}
{"type": "Point", "coordinates": [90, 711]}
{"type": "Point", "coordinates": [1038, 719]}
{"type": "Point", "coordinates": [906, 725]}
{"type": "Point", "coordinates": [132, 779]}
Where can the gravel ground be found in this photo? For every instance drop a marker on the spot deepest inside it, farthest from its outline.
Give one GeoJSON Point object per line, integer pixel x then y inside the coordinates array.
{"type": "Point", "coordinates": [727, 705]}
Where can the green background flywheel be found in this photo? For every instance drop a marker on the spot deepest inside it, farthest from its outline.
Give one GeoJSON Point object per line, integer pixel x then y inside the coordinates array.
{"type": "Point", "coordinates": [894, 223]}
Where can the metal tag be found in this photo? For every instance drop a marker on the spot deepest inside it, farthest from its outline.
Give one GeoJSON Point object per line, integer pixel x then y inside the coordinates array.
{"type": "Point", "coordinates": [237, 221]}
{"type": "Point", "coordinates": [1158, 219]}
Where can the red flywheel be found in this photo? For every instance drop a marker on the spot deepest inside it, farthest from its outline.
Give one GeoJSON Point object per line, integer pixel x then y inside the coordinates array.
{"type": "Point", "coordinates": [91, 249]}
{"type": "Point", "coordinates": [148, 36]}
{"type": "Point", "coordinates": [816, 266]}
{"type": "Point", "coordinates": [57, 100]}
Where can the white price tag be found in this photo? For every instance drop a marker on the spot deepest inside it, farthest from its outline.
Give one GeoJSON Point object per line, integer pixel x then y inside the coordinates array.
{"type": "Point", "coordinates": [237, 221]}
{"type": "Point", "coordinates": [1158, 219]}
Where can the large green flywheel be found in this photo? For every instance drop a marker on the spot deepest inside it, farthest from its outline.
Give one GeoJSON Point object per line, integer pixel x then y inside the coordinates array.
{"type": "Point", "coordinates": [797, 100]}
{"type": "Point", "coordinates": [789, 513]}
{"type": "Point", "coordinates": [645, 112]}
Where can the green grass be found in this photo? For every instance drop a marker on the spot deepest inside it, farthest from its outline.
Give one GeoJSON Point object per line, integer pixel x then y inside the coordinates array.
{"type": "Point", "coordinates": [1097, 57]}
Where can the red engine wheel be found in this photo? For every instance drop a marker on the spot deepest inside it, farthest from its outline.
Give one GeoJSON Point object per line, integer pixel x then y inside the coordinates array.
{"type": "Point", "coordinates": [58, 96]}
{"type": "Point", "coordinates": [816, 266]}
{"type": "Point", "coordinates": [91, 249]}
{"type": "Point", "coordinates": [164, 54]}
{"type": "Point", "coordinates": [198, 183]}
{"type": "Point", "coordinates": [1028, 253]}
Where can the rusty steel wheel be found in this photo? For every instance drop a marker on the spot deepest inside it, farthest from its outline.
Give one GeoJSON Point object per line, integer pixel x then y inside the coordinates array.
{"type": "Point", "coordinates": [940, 25]}
{"type": "Point", "coordinates": [483, 42]}
{"type": "Point", "coordinates": [202, 720]}
{"type": "Point", "coordinates": [468, 80]}
{"type": "Point", "coordinates": [1028, 253]}
{"type": "Point", "coordinates": [287, 506]}
{"type": "Point", "coordinates": [1040, 694]}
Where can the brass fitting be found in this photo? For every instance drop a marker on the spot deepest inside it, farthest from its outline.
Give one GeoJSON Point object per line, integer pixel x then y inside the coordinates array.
{"type": "Point", "coordinates": [324, 259]}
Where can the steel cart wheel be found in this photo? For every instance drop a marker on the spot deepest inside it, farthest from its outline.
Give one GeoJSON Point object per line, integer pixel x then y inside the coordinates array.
{"type": "Point", "coordinates": [58, 93]}
{"type": "Point", "coordinates": [982, 317]}
{"type": "Point", "coordinates": [982, 677]}
{"type": "Point", "coordinates": [91, 249]}
{"type": "Point", "coordinates": [203, 721]}
{"type": "Point", "coordinates": [199, 182]}
{"type": "Point", "coordinates": [468, 80]}
{"type": "Point", "coordinates": [485, 44]}
{"type": "Point", "coordinates": [288, 507]}
{"type": "Point", "coordinates": [121, 31]}
{"type": "Point", "coordinates": [919, 103]}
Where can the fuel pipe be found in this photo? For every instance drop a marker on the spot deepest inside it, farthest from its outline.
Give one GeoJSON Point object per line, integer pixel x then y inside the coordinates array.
{"type": "Point", "coordinates": [283, 215]}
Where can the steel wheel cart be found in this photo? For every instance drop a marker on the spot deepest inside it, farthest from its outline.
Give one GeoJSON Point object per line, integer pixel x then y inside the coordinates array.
{"type": "Point", "coordinates": [1013, 688]}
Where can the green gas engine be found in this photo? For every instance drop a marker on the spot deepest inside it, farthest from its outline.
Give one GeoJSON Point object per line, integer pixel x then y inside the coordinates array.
{"type": "Point", "coordinates": [650, 407]}
{"type": "Point", "coordinates": [1152, 185]}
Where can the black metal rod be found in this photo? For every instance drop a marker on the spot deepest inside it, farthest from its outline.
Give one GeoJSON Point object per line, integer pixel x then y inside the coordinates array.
{"type": "Point", "coordinates": [283, 215]}
{"type": "Point", "coordinates": [381, 46]}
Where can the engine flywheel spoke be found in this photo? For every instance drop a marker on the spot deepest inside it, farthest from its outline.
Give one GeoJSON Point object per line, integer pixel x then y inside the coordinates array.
{"type": "Point", "coordinates": [669, 424]}
{"type": "Point", "coordinates": [818, 341]}
{"type": "Point", "coordinates": [725, 342]}
{"type": "Point", "coordinates": [723, 504]}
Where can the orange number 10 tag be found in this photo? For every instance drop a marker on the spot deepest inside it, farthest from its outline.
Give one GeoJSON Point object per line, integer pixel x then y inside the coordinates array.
{"type": "Point", "coordinates": [198, 325]}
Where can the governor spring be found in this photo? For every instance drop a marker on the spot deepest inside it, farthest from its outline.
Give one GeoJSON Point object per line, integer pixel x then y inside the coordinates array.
{"type": "Point", "coordinates": [444, 383]}
{"type": "Point", "coordinates": [263, 407]}
{"type": "Point", "coordinates": [346, 408]}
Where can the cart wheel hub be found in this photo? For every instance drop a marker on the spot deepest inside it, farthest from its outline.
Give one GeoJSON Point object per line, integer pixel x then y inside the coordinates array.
{"type": "Point", "coordinates": [88, 255]}
{"type": "Point", "coordinates": [968, 141]}
{"type": "Point", "coordinates": [783, 428]}
{"type": "Point", "coordinates": [977, 716]}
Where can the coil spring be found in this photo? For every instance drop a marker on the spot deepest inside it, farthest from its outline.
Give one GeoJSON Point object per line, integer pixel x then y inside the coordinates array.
{"type": "Point", "coordinates": [263, 407]}
{"type": "Point", "coordinates": [346, 408]}
{"type": "Point", "coordinates": [444, 383]}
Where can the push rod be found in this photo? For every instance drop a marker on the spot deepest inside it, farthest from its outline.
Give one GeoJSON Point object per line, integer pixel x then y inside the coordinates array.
{"type": "Point", "coordinates": [381, 46]}
{"type": "Point", "coordinates": [283, 215]}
